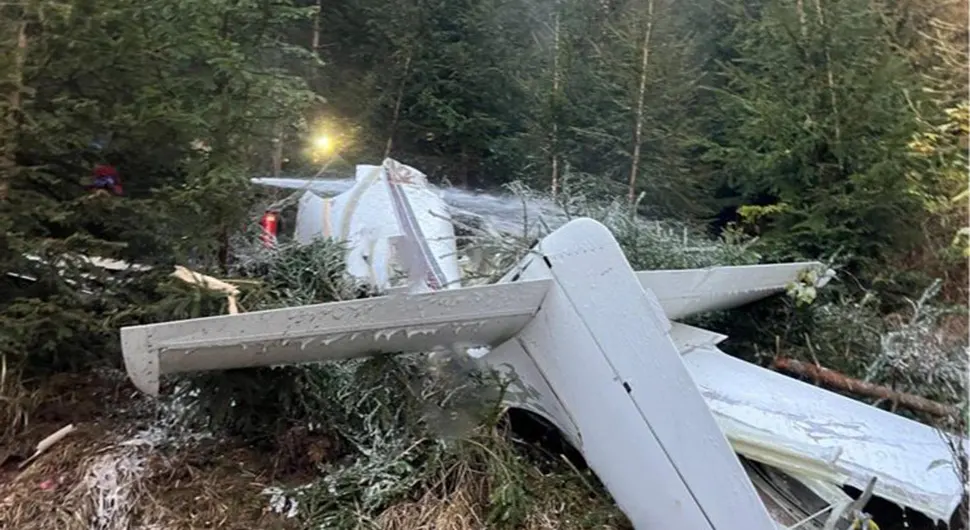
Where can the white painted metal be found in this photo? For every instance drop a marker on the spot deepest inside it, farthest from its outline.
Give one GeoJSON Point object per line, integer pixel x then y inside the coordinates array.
{"type": "Point", "coordinates": [688, 338]}
{"type": "Point", "coordinates": [528, 388]}
{"type": "Point", "coordinates": [391, 214]}
{"type": "Point", "coordinates": [806, 429]}
{"type": "Point", "coordinates": [604, 348]}
{"type": "Point", "coordinates": [622, 398]}
{"type": "Point", "coordinates": [691, 291]}
{"type": "Point", "coordinates": [592, 349]}
{"type": "Point", "coordinates": [341, 330]}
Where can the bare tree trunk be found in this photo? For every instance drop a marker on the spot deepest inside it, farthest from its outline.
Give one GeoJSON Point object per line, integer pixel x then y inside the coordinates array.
{"type": "Point", "coordinates": [831, 78]}
{"type": "Point", "coordinates": [316, 27]}
{"type": "Point", "coordinates": [397, 105]}
{"type": "Point", "coordinates": [556, 86]}
{"type": "Point", "coordinates": [641, 95]}
{"type": "Point", "coordinates": [277, 155]}
{"type": "Point", "coordinates": [845, 383]}
{"type": "Point", "coordinates": [12, 115]}
{"type": "Point", "coordinates": [802, 22]}
{"type": "Point", "coordinates": [465, 163]}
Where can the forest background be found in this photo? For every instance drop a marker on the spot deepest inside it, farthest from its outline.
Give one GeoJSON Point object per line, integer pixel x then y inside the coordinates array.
{"type": "Point", "coordinates": [791, 129]}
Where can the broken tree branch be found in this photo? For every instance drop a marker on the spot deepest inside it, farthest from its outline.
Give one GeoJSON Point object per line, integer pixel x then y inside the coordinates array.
{"type": "Point", "coordinates": [208, 282]}
{"type": "Point", "coordinates": [46, 444]}
{"type": "Point", "coordinates": [845, 383]}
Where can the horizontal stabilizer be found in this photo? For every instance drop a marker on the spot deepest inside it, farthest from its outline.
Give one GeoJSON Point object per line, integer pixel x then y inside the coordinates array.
{"type": "Point", "coordinates": [691, 291]}
{"type": "Point", "coordinates": [398, 323]}
{"type": "Point", "coordinates": [321, 186]}
{"type": "Point", "coordinates": [688, 338]}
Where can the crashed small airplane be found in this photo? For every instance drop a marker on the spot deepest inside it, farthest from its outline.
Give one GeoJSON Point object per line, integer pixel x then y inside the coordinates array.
{"type": "Point", "coordinates": [657, 410]}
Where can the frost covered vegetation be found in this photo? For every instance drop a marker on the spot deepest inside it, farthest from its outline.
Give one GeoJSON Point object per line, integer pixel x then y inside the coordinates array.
{"type": "Point", "coordinates": [418, 442]}
{"type": "Point", "coordinates": [739, 132]}
{"type": "Point", "coordinates": [413, 441]}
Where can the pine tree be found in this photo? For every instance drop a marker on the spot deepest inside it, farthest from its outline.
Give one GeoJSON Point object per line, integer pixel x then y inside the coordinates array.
{"type": "Point", "coordinates": [145, 81]}
{"type": "Point", "coordinates": [814, 126]}
{"type": "Point", "coordinates": [634, 102]}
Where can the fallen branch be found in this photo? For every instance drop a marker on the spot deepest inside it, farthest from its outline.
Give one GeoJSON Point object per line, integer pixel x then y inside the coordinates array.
{"type": "Point", "coordinates": [208, 282]}
{"type": "Point", "coordinates": [46, 444]}
{"type": "Point", "coordinates": [845, 383]}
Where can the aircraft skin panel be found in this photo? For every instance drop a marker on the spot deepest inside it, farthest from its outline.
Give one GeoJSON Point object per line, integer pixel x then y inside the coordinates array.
{"type": "Point", "coordinates": [386, 203]}
{"type": "Point", "coordinates": [766, 409]}
{"type": "Point", "coordinates": [474, 316]}
{"type": "Point", "coordinates": [691, 291]}
{"type": "Point", "coordinates": [604, 347]}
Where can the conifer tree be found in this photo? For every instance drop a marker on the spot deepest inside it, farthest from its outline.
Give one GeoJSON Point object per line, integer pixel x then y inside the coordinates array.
{"type": "Point", "coordinates": [136, 85]}
{"type": "Point", "coordinates": [815, 123]}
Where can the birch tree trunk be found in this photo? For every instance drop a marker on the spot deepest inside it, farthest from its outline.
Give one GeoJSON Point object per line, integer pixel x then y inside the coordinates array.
{"type": "Point", "coordinates": [800, 7]}
{"type": "Point", "coordinates": [641, 95]}
{"type": "Point", "coordinates": [556, 87]}
{"type": "Point", "coordinates": [277, 155]}
{"type": "Point", "coordinates": [316, 27]}
{"type": "Point", "coordinates": [831, 78]}
{"type": "Point", "coordinates": [397, 105]}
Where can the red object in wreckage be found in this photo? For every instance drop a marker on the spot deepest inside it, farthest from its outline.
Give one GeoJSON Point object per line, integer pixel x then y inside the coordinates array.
{"type": "Point", "coordinates": [106, 177]}
{"type": "Point", "coordinates": [270, 223]}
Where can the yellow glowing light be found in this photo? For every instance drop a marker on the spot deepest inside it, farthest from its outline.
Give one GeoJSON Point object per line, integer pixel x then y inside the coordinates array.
{"type": "Point", "coordinates": [322, 142]}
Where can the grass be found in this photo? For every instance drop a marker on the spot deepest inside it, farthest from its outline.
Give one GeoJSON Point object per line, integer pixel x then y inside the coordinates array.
{"type": "Point", "coordinates": [108, 475]}
{"type": "Point", "coordinates": [113, 472]}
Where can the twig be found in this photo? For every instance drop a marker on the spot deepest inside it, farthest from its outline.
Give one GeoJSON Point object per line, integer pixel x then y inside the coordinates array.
{"type": "Point", "coordinates": [579, 474]}
{"type": "Point", "coordinates": [843, 382]}
{"type": "Point", "coordinates": [46, 444]}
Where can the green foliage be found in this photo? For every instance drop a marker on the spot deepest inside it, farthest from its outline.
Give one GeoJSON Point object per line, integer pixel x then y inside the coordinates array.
{"type": "Point", "coordinates": [293, 274]}
{"type": "Point", "coordinates": [656, 244]}
{"type": "Point", "coordinates": [803, 104]}
{"type": "Point", "coordinates": [258, 404]}
{"type": "Point", "coordinates": [415, 430]}
{"type": "Point", "coordinates": [180, 71]}
{"type": "Point", "coordinates": [385, 409]}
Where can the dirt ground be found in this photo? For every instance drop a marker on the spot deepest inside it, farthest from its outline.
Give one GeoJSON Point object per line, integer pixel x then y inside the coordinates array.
{"type": "Point", "coordinates": [112, 472]}
{"type": "Point", "coordinates": [122, 468]}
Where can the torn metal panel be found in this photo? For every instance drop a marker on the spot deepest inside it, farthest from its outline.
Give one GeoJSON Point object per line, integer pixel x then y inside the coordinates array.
{"type": "Point", "coordinates": [788, 500]}
{"type": "Point", "coordinates": [780, 417]}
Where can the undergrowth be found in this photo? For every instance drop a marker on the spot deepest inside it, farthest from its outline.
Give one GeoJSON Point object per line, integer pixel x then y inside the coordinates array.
{"type": "Point", "coordinates": [408, 432]}
{"type": "Point", "coordinates": [418, 441]}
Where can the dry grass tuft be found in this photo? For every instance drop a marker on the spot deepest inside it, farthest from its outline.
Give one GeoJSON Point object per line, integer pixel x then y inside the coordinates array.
{"type": "Point", "coordinates": [46, 493]}
{"type": "Point", "coordinates": [507, 492]}
{"type": "Point", "coordinates": [565, 506]}
{"type": "Point", "coordinates": [210, 487]}
{"type": "Point", "coordinates": [462, 506]}
{"type": "Point", "coordinates": [459, 511]}
{"type": "Point", "coordinates": [100, 477]}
